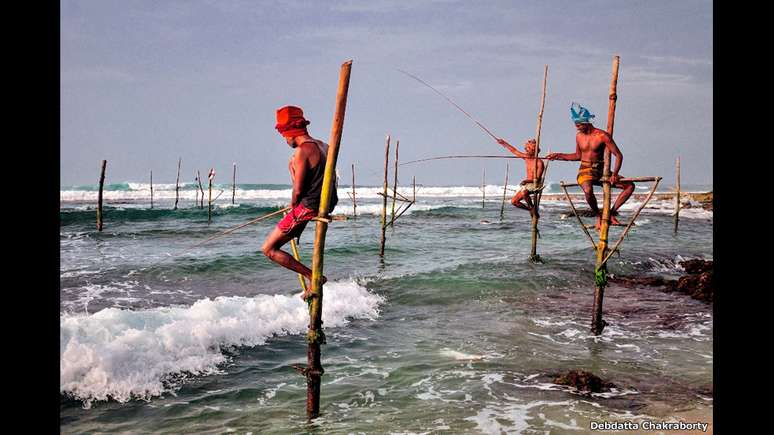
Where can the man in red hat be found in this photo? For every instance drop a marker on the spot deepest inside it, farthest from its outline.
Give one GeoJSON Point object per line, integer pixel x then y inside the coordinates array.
{"type": "Point", "coordinates": [307, 167]}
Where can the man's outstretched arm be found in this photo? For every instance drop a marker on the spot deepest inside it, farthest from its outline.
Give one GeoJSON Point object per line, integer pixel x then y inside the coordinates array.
{"type": "Point", "coordinates": [511, 148]}
{"type": "Point", "coordinates": [566, 156]}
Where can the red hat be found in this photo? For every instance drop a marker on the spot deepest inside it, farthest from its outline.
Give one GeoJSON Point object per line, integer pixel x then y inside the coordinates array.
{"type": "Point", "coordinates": [291, 122]}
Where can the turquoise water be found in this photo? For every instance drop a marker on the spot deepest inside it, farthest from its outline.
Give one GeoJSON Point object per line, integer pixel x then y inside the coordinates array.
{"type": "Point", "coordinates": [453, 331]}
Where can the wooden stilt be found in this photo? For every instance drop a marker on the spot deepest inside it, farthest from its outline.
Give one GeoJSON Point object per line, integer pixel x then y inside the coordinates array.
{"type": "Point", "coordinates": [600, 271]}
{"type": "Point", "coordinates": [533, 255]}
{"type": "Point", "coordinates": [294, 247]}
{"type": "Point", "coordinates": [631, 221]}
{"type": "Point", "coordinates": [315, 335]}
{"type": "Point", "coordinates": [505, 191]}
{"type": "Point", "coordinates": [414, 187]}
{"type": "Point", "coordinates": [201, 189]}
{"type": "Point", "coordinates": [210, 176]}
{"type": "Point", "coordinates": [354, 200]}
{"type": "Point", "coordinates": [632, 179]}
{"type": "Point", "coordinates": [575, 212]}
{"type": "Point", "coordinates": [394, 184]}
{"type": "Point", "coordinates": [677, 195]}
{"type": "Point", "coordinates": [99, 195]}
{"type": "Point", "coordinates": [233, 186]}
{"type": "Point", "coordinates": [384, 196]}
{"type": "Point", "coordinates": [151, 188]}
{"type": "Point", "coordinates": [196, 189]}
{"type": "Point", "coordinates": [177, 182]}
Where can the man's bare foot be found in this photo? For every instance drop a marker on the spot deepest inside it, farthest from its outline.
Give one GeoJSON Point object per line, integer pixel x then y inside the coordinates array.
{"type": "Point", "coordinates": [534, 212]}
{"type": "Point", "coordinates": [305, 295]}
{"type": "Point", "coordinates": [614, 221]}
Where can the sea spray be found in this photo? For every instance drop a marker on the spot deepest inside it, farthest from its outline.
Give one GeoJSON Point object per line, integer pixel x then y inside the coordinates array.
{"type": "Point", "coordinates": [123, 354]}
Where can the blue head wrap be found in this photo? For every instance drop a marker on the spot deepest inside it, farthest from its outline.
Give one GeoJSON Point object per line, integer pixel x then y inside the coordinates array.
{"type": "Point", "coordinates": [582, 115]}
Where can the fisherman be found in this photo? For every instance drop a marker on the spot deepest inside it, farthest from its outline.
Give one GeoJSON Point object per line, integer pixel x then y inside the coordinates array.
{"type": "Point", "coordinates": [590, 145]}
{"type": "Point", "coordinates": [527, 186]}
{"type": "Point", "coordinates": [307, 167]}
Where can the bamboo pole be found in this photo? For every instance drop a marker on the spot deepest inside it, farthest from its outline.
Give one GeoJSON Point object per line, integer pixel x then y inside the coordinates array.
{"type": "Point", "coordinates": [483, 189]}
{"type": "Point", "coordinates": [631, 221]}
{"type": "Point", "coordinates": [177, 182]}
{"type": "Point", "coordinates": [575, 212]}
{"type": "Point", "coordinates": [294, 247]}
{"type": "Point", "coordinates": [99, 195]}
{"type": "Point", "coordinates": [231, 230]}
{"type": "Point", "coordinates": [505, 191]}
{"type": "Point", "coordinates": [632, 179]}
{"type": "Point", "coordinates": [315, 336]}
{"type": "Point", "coordinates": [533, 255]}
{"type": "Point", "coordinates": [600, 271]}
{"type": "Point", "coordinates": [151, 188]}
{"type": "Point", "coordinates": [466, 157]}
{"type": "Point", "coordinates": [233, 186]}
{"type": "Point", "coordinates": [394, 184]}
{"type": "Point", "coordinates": [384, 196]}
{"type": "Point", "coordinates": [199, 179]}
{"type": "Point", "coordinates": [210, 176]}
{"type": "Point", "coordinates": [414, 187]}
{"type": "Point", "coordinates": [196, 189]}
{"type": "Point", "coordinates": [677, 195]}
{"type": "Point", "coordinates": [354, 200]}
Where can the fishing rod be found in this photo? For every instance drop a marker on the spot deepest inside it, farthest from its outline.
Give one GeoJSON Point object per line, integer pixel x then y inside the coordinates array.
{"type": "Point", "coordinates": [231, 230]}
{"type": "Point", "coordinates": [469, 157]}
{"type": "Point", "coordinates": [452, 102]}
{"type": "Point", "coordinates": [223, 233]}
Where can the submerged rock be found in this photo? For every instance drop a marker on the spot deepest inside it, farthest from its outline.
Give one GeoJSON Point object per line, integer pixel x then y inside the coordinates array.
{"type": "Point", "coordinates": [584, 381]}
{"type": "Point", "coordinates": [583, 212]}
{"type": "Point", "coordinates": [698, 283]}
{"type": "Point", "coordinates": [696, 266]}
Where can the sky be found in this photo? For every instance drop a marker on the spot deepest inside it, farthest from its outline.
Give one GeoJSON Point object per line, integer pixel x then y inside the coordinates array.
{"type": "Point", "coordinates": [143, 83]}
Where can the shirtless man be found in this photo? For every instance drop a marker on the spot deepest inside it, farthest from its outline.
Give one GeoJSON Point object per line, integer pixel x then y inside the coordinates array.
{"type": "Point", "coordinates": [307, 167]}
{"type": "Point", "coordinates": [527, 186]}
{"type": "Point", "coordinates": [590, 145]}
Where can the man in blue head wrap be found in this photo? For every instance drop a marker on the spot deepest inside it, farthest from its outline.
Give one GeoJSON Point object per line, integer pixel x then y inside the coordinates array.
{"type": "Point", "coordinates": [590, 145]}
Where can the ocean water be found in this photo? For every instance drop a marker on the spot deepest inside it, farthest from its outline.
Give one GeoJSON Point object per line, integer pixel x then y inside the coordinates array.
{"type": "Point", "coordinates": [454, 331]}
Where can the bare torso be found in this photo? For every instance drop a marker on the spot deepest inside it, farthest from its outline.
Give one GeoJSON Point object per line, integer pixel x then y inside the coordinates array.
{"type": "Point", "coordinates": [591, 145]}
{"type": "Point", "coordinates": [530, 167]}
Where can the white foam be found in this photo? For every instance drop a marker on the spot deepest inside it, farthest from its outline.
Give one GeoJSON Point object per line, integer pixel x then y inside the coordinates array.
{"type": "Point", "coordinates": [459, 356]}
{"type": "Point", "coordinates": [124, 354]}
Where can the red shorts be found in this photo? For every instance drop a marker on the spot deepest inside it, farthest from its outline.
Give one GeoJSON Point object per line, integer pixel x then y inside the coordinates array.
{"type": "Point", "coordinates": [296, 220]}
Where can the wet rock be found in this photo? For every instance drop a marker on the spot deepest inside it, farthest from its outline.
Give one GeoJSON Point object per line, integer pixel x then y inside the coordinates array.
{"type": "Point", "coordinates": [696, 266]}
{"type": "Point", "coordinates": [584, 381]}
{"type": "Point", "coordinates": [581, 212]}
{"type": "Point", "coordinates": [698, 286]}
{"type": "Point", "coordinates": [698, 283]}
{"type": "Point", "coordinates": [636, 281]}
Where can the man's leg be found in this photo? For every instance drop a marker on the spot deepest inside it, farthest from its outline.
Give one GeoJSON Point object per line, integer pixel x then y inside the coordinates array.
{"type": "Point", "coordinates": [530, 204]}
{"type": "Point", "coordinates": [628, 189]}
{"type": "Point", "coordinates": [271, 249]}
{"type": "Point", "coordinates": [588, 191]}
{"type": "Point", "coordinates": [516, 200]}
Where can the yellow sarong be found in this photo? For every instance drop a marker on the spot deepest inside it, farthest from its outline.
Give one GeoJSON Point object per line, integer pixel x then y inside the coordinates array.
{"type": "Point", "coordinates": [590, 171]}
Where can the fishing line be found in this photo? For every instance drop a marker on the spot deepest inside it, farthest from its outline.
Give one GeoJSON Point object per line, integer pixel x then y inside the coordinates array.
{"type": "Point", "coordinates": [452, 102]}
